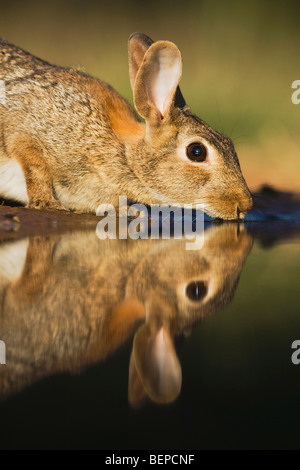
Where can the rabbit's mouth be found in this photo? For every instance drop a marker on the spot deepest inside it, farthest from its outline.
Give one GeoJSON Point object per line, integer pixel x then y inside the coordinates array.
{"type": "Point", "coordinates": [233, 207]}
{"type": "Point", "coordinates": [234, 214]}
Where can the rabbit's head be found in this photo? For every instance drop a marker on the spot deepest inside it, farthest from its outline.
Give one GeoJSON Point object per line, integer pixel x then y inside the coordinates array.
{"type": "Point", "coordinates": [181, 159]}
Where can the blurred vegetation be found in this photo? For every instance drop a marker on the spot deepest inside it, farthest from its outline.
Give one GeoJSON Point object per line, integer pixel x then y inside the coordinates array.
{"type": "Point", "coordinates": [240, 59]}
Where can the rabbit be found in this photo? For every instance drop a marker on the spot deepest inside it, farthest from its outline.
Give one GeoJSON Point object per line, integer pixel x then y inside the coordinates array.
{"type": "Point", "coordinates": [69, 301]}
{"type": "Point", "coordinates": [70, 141]}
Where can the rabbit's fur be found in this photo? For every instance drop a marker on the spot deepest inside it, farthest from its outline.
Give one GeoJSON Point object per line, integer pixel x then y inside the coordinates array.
{"type": "Point", "coordinates": [68, 140]}
{"type": "Point", "coordinates": [69, 301]}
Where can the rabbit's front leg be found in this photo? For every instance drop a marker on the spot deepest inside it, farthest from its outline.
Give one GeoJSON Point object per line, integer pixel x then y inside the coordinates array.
{"type": "Point", "coordinates": [38, 178]}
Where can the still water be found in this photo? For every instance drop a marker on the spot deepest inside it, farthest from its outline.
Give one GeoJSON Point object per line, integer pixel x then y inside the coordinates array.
{"type": "Point", "coordinates": [145, 345]}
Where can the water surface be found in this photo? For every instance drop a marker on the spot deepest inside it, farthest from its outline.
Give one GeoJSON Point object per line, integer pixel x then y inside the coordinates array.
{"type": "Point", "coordinates": [143, 344]}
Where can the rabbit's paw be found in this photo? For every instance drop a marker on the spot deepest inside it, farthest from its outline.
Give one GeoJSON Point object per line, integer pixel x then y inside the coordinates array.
{"type": "Point", "coordinates": [48, 205]}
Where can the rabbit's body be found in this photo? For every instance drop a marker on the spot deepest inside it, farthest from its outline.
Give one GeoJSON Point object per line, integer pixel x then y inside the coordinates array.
{"type": "Point", "coordinates": [68, 144]}
{"type": "Point", "coordinates": [69, 140]}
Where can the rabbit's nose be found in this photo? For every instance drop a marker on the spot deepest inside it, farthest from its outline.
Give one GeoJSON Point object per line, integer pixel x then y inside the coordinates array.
{"type": "Point", "coordinates": [244, 206]}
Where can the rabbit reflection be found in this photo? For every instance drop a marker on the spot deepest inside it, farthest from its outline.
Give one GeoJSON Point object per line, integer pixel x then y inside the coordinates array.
{"type": "Point", "coordinates": [70, 301]}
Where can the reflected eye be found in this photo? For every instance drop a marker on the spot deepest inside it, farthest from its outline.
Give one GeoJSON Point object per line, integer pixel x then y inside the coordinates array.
{"type": "Point", "coordinates": [196, 152]}
{"type": "Point", "coordinates": [196, 290]}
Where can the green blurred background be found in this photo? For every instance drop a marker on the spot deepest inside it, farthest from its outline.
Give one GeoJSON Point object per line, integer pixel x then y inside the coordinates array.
{"type": "Point", "coordinates": [240, 59]}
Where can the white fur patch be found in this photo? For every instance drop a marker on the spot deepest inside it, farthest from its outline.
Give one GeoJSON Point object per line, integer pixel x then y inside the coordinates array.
{"type": "Point", "coordinates": [12, 181]}
{"type": "Point", "coordinates": [12, 259]}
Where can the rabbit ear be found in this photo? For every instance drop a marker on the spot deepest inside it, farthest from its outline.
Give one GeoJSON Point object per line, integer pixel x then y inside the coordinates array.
{"type": "Point", "coordinates": [138, 43]}
{"type": "Point", "coordinates": [156, 364]}
{"type": "Point", "coordinates": [157, 80]}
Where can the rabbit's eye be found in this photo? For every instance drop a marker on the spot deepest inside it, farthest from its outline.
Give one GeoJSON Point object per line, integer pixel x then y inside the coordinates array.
{"type": "Point", "coordinates": [196, 290]}
{"type": "Point", "coordinates": [196, 152]}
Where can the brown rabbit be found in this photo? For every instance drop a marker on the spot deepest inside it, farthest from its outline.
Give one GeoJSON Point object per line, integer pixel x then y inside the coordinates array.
{"type": "Point", "coordinates": [70, 301]}
{"type": "Point", "coordinates": [69, 140]}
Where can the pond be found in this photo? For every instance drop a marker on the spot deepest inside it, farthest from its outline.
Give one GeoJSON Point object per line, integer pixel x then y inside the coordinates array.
{"type": "Point", "coordinates": [142, 344]}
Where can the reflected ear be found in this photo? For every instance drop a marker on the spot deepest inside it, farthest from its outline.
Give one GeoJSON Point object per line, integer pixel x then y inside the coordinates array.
{"type": "Point", "coordinates": [138, 43]}
{"type": "Point", "coordinates": [155, 87]}
{"type": "Point", "coordinates": [157, 364]}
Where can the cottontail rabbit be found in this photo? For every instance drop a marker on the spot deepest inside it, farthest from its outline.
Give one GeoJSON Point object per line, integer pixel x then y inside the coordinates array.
{"type": "Point", "coordinates": [69, 140]}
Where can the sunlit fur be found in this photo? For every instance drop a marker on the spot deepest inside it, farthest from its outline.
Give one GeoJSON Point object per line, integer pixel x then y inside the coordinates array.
{"type": "Point", "coordinates": [80, 144]}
